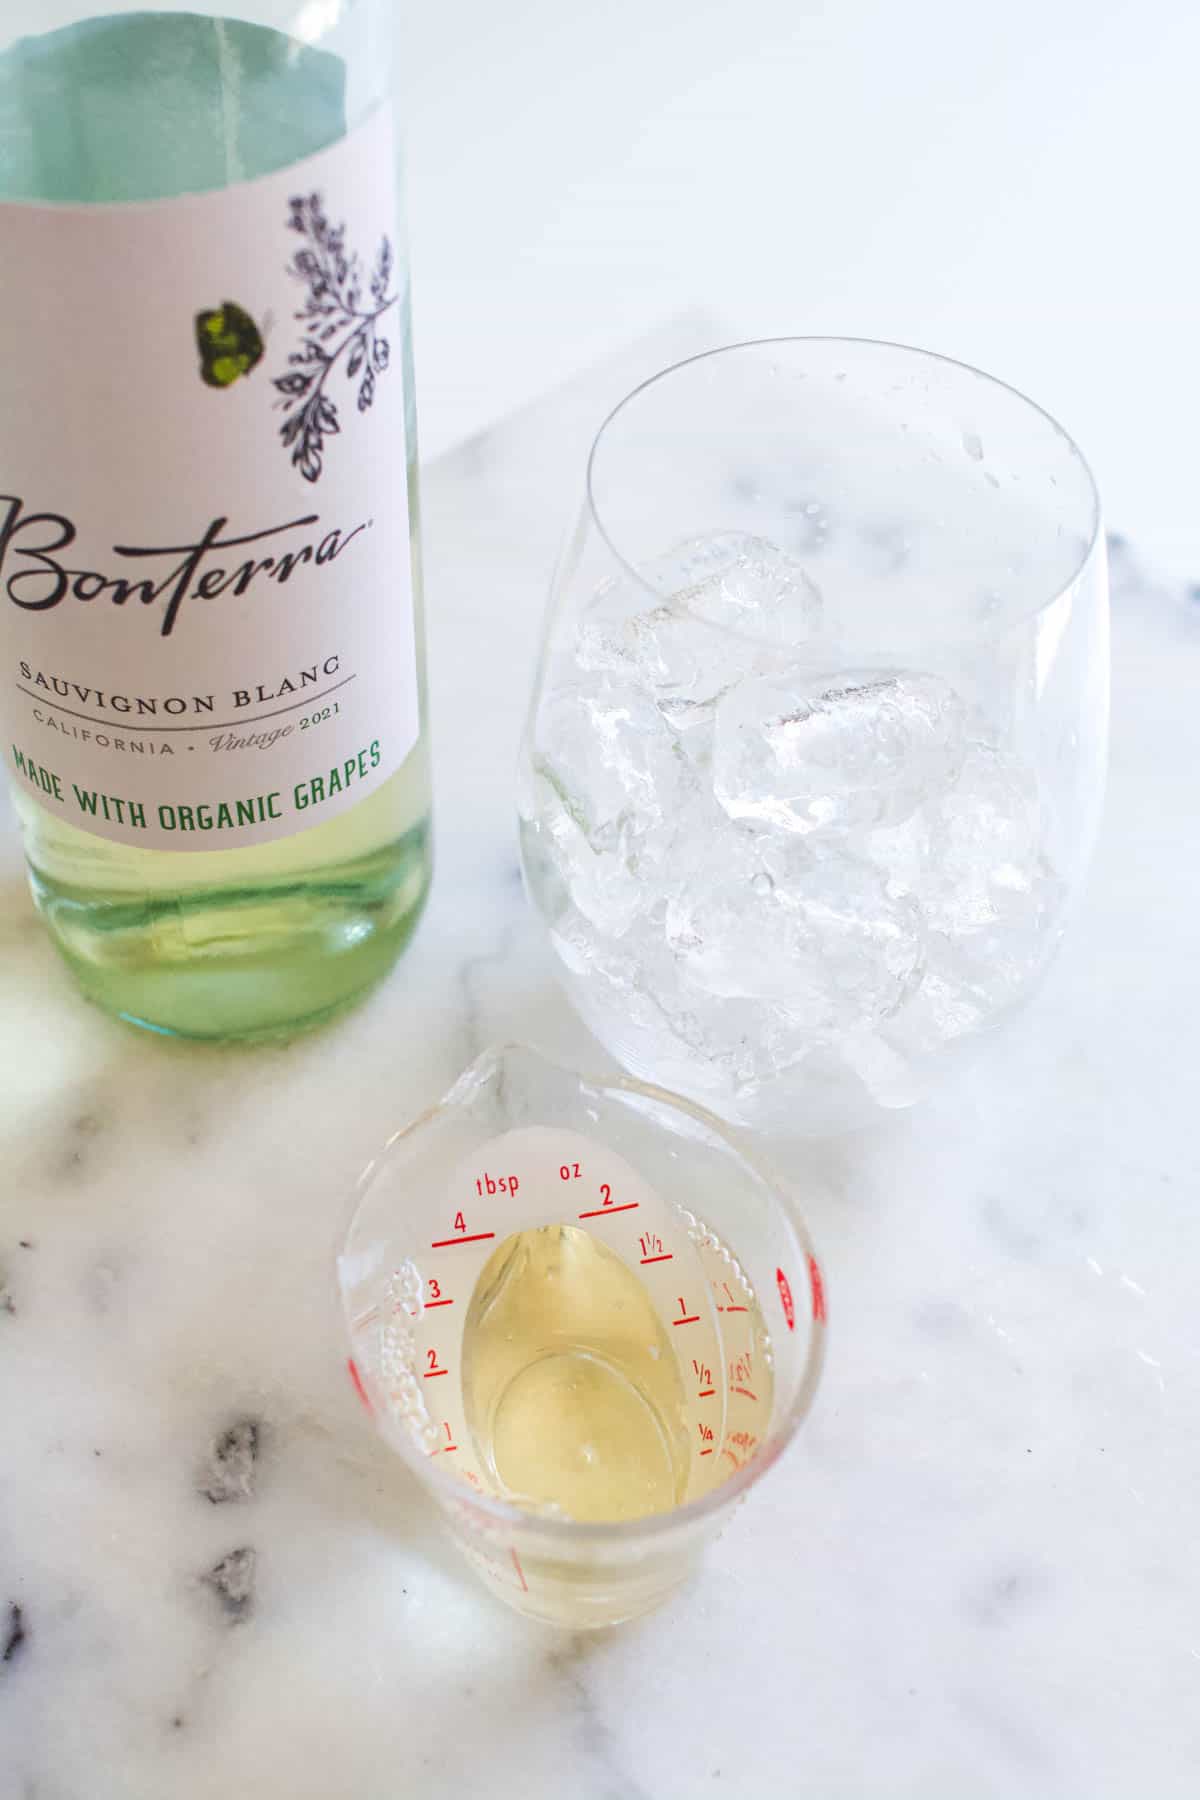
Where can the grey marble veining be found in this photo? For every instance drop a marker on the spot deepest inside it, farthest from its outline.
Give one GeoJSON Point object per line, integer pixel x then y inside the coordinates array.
{"type": "Point", "coordinates": [973, 1575]}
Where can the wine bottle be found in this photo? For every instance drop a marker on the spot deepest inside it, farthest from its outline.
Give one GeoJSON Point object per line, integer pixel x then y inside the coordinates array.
{"type": "Point", "coordinates": [211, 651]}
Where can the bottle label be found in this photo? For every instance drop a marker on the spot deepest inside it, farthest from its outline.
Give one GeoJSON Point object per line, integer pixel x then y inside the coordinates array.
{"type": "Point", "coordinates": [206, 595]}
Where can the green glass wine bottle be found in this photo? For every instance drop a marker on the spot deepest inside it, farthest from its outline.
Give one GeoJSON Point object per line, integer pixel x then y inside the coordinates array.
{"type": "Point", "coordinates": [211, 648]}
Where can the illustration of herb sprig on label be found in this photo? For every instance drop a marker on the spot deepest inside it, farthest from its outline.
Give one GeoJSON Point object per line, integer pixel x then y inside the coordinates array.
{"type": "Point", "coordinates": [341, 325]}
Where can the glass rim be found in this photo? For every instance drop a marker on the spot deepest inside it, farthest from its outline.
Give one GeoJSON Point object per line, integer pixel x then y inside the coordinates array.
{"type": "Point", "coordinates": [617, 1532]}
{"type": "Point", "coordinates": [1092, 536]}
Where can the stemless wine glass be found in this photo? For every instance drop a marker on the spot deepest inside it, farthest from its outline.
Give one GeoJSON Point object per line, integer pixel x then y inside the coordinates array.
{"type": "Point", "coordinates": [816, 752]}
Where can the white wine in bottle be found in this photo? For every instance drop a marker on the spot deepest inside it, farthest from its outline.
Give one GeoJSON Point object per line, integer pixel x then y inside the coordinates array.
{"type": "Point", "coordinates": [211, 655]}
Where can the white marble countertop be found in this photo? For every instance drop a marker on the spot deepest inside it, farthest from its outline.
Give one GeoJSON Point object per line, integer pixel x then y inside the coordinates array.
{"type": "Point", "coordinates": [975, 1574]}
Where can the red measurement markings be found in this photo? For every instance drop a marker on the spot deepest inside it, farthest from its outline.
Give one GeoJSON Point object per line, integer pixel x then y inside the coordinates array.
{"type": "Point", "coordinates": [430, 1303]}
{"type": "Point", "coordinates": [447, 1448]}
{"type": "Point", "coordinates": [516, 1561]}
{"type": "Point", "coordinates": [746, 1442]}
{"type": "Point", "coordinates": [475, 1238]}
{"type": "Point", "coordinates": [741, 1371]}
{"type": "Point", "coordinates": [785, 1299]}
{"type": "Point", "coordinates": [731, 1300]}
{"type": "Point", "coordinates": [359, 1389]}
{"type": "Point", "coordinates": [703, 1375]}
{"type": "Point", "coordinates": [435, 1291]}
{"type": "Point", "coordinates": [433, 1368]}
{"type": "Point", "coordinates": [652, 1248]}
{"type": "Point", "coordinates": [818, 1290]}
{"type": "Point", "coordinates": [608, 1207]}
{"type": "Point", "coordinates": [706, 1438]}
{"type": "Point", "coordinates": [685, 1317]}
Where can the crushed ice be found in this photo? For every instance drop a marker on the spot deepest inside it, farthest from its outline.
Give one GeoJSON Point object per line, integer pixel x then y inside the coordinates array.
{"type": "Point", "coordinates": [748, 852]}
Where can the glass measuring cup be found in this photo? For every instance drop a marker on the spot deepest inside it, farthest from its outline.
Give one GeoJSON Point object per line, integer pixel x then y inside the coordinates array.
{"type": "Point", "coordinates": [647, 1198]}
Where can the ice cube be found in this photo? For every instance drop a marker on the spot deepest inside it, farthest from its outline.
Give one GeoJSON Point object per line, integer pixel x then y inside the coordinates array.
{"type": "Point", "coordinates": [638, 997]}
{"type": "Point", "coordinates": [633, 994]}
{"type": "Point", "coordinates": [692, 722]}
{"type": "Point", "coordinates": [564, 869]}
{"type": "Point", "coordinates": [670, 654]}
{"type": "Point", "coordinates": [992, 902]}
{"type": "Point", "coordinates": [819, 938]}
{"type": "Point", "coordinates": [902, 852]}
{"type": "Point", "coordinates": [948, 1006]}
{"type": "Point", "coordinates": [753, 588]}
{"type": "Point", "coordinates": [977, 973]}
{"type": "Point", "coordinates": [613, 972]}
{"type": "Point", "coordinates": [732, 606]}
{"type": "Point", "coordinates": [986, 859]}
{"type": "Point", "coordinates": [742, 1044]}
{"type": "Point", "coordinates": [838, 751]}
{"type": "Point", "coordinates": [611, 758]}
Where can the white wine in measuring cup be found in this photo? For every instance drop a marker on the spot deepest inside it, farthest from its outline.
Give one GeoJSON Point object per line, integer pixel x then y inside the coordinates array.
{"type": "Point", "coordinates": [577, 1309]}
{"type": "Point", "coordinates": [569, 1339]}
{"type": "Point", "coordinates": [579, 1394]}
{"type": "Point", "coordinates": [572, 1392]}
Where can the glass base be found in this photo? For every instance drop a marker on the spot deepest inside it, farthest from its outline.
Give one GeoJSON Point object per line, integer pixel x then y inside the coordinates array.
{"type": "Point", "coordinates": [242, 963]}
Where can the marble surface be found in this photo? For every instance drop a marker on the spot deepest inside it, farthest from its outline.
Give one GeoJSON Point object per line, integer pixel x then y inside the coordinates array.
{"type": "Point", "coordinates": [975, 1574]}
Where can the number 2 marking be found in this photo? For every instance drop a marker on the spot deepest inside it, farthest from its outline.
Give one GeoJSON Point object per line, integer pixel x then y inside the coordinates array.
{"type": "Point", "coordinates": [607, 1192]}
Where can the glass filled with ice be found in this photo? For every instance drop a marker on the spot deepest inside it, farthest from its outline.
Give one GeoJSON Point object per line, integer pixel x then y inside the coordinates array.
{"type": "Point", "coordinates": [816, 752]}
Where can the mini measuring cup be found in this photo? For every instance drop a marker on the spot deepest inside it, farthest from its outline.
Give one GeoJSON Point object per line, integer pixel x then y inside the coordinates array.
{"type": "Point", "coordinates": [517, 1143]}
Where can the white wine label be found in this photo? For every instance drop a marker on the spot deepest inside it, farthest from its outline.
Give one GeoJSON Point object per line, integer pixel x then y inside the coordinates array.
{"type": "Point", "coordinates": [206, 591]}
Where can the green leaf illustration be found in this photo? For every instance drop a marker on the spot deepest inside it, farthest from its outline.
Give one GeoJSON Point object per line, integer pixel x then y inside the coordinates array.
{"type": "Point", "coordinates": [229, 342]}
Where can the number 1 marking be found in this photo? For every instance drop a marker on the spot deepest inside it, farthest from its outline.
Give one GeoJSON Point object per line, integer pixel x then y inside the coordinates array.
{"type": "Point", "coordinates": [732, 1305]}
